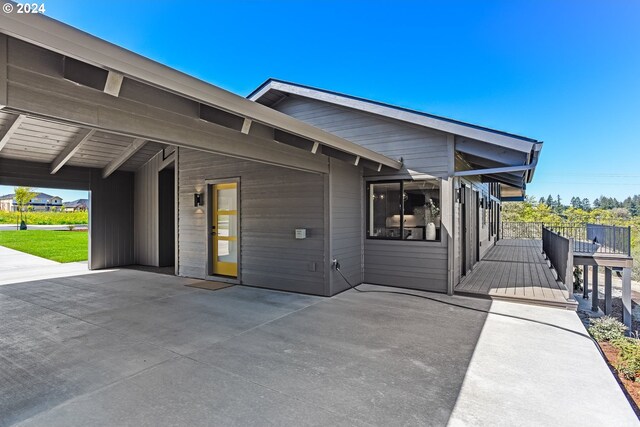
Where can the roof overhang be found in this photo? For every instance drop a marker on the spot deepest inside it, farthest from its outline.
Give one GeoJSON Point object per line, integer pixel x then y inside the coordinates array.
{"type": "Point", "coordinates": [121, 64]}
{"type": "Point", "coordinates": [491, 155]}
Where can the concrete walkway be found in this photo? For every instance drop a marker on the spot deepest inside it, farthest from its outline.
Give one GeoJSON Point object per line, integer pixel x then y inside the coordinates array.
{"type": "Point", "coordinates": [535, 366]}
{"type": "Point", "coordinates": [17, 267]}
{"type": "Point", "coordinates": [133, 348]}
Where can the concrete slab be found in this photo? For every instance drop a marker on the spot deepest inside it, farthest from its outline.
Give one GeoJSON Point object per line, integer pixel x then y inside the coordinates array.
{"type": "Point", "coordinates": [136, 348]}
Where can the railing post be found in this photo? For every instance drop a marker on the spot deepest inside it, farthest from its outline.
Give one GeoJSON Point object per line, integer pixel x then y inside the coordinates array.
{"type": "Point", "coordinates": [585, 282]}
{"type": "Point", "coordinates": [594, 292]}
{"type": "Point", "coordinates": [626, 297]}
{"type": "Point", "coordinates": [607, 290]}
{"type": "Point", "coordinates": [569, 273]}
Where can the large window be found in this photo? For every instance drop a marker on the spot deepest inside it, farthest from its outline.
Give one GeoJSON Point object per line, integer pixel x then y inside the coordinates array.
{"type": "Point", "coordinates": [404, 210]}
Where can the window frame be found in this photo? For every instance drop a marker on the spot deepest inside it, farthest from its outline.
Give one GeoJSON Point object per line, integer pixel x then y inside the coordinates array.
{"type": "Point", "coordinates": [401, 237]}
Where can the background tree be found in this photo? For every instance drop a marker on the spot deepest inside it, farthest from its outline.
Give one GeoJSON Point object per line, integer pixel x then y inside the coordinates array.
{"type": "Point", "coordinates": [576, 202]}
{"type": "Point", "coordinates": [23, 196]}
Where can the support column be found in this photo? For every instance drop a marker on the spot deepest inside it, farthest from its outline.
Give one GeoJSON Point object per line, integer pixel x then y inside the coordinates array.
{"type": "Point", "coordinates": [607, 290]}
{"type": "Point", "coordinates": [585, 282]}
{"type": "Point", "coordinates": [626, 297]}
{"type": "Point", "coordinates": [594, 292]}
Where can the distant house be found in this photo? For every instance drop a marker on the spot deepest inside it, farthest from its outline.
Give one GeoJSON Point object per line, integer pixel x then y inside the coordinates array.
{"type": "Point", "coordinates": [42, 202]}
{"type": "Point", "coordinates": [76, 205]}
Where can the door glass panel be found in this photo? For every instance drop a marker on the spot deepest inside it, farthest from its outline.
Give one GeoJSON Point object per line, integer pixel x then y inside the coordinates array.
{"type": "Point", "coordinates": [227, 225]}
{"type": "Point", "coordinates": [227, 251]}
{"type": "Point", "coordinates": [227, 199]}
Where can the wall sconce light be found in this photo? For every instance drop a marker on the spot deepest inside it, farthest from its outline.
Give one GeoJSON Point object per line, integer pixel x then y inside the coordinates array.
{"type": "Point", "coordinates": [197, 200]}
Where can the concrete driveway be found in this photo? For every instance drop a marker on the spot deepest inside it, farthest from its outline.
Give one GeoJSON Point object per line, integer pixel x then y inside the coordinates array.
{"type": "Point", "coordinates": [132, 348]}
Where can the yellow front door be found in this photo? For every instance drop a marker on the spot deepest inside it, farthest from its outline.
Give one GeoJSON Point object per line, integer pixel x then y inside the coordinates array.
{"type": "Point", "coordinates": [225, 229]}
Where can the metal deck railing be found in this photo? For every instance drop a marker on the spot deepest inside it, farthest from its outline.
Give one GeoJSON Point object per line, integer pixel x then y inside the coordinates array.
{"type": "Point", "coordinates": [597, 238]}
{"type": "Point", "coordinates": [587, 238]}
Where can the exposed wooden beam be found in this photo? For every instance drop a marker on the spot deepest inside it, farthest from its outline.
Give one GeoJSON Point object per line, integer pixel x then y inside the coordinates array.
{"type": "Point", "coordinates": [71, 149]}
{"type": "Point", "coordinates": [114, 83]}
{"type": "Point", "coordinates": [63, 101]}
{"type": "Point", "coordinates": [137, 144]}
{"type": "Point", "coordinates": [357, 161]}
{"type": "Point", "coordinates": [246, 126]}
{"type": "Point", "coordinates": [314, 149]}
{"type": "Point", "coordinates": [11, 128]}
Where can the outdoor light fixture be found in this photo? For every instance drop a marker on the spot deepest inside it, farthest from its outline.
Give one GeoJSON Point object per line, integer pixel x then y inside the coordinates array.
{"type": "Point", "coordinates": [197, 200]}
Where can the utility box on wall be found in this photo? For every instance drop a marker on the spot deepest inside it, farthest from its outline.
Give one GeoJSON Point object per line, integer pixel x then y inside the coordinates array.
{"type": "Point", "coordinates": [301, 233]}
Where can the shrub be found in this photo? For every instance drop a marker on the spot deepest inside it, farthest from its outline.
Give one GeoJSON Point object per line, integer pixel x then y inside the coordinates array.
{"type": "Point", "coordinates": [47, 218]}
{"type": "Point", "coordinates": [577, 278]}
{"type": "Point", "coordinates": [606, 328]}
{"type": "Point", "coordinates": [629, 358]}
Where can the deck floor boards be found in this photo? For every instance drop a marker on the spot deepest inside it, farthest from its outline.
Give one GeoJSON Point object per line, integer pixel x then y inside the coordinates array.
{"type": "Point", "coordinates": [515, 269]}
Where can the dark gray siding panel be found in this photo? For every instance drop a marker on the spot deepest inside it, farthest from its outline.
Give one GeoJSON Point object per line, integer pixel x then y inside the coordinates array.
{"type": "Point", "coordinates": [146, 212]}
{"type": "Point", "coordinates": [423, 150]}
{"type": "Point", "coordinates": [274, 202]}
{"type": "Point", "coordinates": [346, 198]}
{"type": "Point", "coordinates": [406, 264]}
{"type": "Point", "coordinates": [166, 217]}
{"type": "Point", "coordinates": [111, 220]}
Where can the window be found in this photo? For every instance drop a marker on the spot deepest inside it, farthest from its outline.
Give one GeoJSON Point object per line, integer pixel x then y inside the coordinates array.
{"type": "Point", "coordinates": [404, 210]}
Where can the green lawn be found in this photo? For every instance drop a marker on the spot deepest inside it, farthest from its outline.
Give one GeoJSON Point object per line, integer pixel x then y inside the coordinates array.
{"type": "Point", "coordinates": [60, 246]}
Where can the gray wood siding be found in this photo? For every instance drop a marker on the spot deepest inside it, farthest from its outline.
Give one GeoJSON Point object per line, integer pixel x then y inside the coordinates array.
{"type": "Point", "coordinates": [274, 202]}
{"type": "Point", "coordinates": [146, 212]}
{"type": "Point", "coordinates": [345, 206]}
{"type": "Point", "coordinates": [417, 265]}
{"type": "Point", "coordinates": [423, 150]}
{"type": "Point", "coordinates": [111, 220]}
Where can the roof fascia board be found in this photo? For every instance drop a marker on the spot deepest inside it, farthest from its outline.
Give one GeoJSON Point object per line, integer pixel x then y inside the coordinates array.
{"type": "Point", "coordinates": [66, 40]}
{"type": "Point", "coordinates": [399, 114]}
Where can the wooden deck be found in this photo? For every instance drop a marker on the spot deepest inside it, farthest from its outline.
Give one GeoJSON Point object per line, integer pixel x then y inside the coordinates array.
{"type": "Point", "coordinates": [516, 270]}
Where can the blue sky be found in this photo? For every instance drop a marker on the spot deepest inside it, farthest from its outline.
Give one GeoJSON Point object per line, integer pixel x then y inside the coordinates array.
{"type": "Point", "coordinates": [565, 72]}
